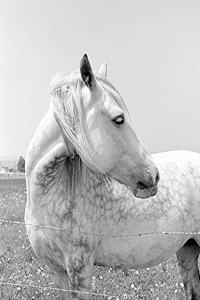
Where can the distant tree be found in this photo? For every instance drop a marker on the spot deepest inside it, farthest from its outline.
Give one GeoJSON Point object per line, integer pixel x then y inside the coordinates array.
{"type": "Point", "coordinates": [21, 164]}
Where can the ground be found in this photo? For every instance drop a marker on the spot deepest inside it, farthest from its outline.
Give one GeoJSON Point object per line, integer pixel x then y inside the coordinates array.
{"type": "Point", "coordinates": [19, 265]}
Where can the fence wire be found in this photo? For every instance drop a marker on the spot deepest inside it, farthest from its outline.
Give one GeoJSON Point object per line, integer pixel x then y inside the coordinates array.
{"type": "Point", "coordinates": [44, 288]}
{"type": "Point", "coordinates": [2, 221]}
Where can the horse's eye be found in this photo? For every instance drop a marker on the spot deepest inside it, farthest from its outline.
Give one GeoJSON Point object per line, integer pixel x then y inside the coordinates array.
{"type": "Point", "coordinates": [118, 120]}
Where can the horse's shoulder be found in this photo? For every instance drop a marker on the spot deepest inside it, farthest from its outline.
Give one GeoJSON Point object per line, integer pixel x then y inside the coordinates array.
{"type": "Point", "coordinates": [47, 177]}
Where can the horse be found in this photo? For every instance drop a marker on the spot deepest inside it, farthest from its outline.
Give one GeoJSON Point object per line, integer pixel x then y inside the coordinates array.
{"type": "Point", "coordinates": [84, 144]}
{"type": "Point", "coordinates": [93, 189]}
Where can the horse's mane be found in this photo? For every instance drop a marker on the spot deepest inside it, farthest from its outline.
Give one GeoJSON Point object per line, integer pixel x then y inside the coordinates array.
{"type": "Point", "coordinates": [66, 97]}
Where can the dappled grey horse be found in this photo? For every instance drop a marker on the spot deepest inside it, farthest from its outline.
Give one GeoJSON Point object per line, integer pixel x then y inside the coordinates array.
{"type": "Point", "coordinates": [86, 171]}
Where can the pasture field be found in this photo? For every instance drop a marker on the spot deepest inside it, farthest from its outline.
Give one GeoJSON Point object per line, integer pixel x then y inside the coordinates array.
{"type": "Point", "coordinates": [18, 263]}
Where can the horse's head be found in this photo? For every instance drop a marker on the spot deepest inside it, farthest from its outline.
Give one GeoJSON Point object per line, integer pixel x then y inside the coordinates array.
{"type": "Point", "coordinates": [101, 131]}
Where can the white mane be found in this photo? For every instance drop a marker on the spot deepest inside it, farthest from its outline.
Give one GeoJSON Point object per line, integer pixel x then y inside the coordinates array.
{"type": "Point", "coordinates": [66, 97]}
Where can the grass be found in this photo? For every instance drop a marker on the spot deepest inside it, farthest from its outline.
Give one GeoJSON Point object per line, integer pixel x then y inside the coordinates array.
{"type": "Point", "coordinates": [18, 263]}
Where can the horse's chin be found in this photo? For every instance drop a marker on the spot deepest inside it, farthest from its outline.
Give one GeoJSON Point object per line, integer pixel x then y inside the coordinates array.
{"type": "Point", "coordinates": [146, 193]}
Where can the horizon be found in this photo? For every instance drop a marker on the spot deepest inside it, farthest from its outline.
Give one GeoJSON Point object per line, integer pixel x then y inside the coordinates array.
{"type": "Point", "coordinates": [151, 48]}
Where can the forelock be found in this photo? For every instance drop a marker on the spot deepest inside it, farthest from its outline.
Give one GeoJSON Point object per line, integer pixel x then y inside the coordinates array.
{"type": "Point", "coordinates": [60, 83]}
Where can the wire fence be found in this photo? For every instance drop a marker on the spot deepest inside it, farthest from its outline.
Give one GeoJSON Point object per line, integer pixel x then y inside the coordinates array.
{"type": "Point", "coordinates": [108, 295]}
{"type": "Point", "coordinates": [45, 288]}
{"type": "Point", "coordinates": [2, 221]}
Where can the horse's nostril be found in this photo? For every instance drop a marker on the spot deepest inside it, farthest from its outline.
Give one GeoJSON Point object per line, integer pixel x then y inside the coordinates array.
{"type": "Point", "coordinates": [149, 183]}
{"type": "Point", "coordinates": [157, 177]}
{"type": "Point", "coordinates": [141, 185]}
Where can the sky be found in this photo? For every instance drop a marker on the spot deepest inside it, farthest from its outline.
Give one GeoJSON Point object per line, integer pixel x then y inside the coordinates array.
{"type": "Point", "coordinates": [152, 48]}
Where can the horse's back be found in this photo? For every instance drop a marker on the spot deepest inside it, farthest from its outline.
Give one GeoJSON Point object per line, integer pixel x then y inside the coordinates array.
{"type": "Point", "coordinates": [182, 165]}
{"type": "Point", "coordinates": [180, 156]}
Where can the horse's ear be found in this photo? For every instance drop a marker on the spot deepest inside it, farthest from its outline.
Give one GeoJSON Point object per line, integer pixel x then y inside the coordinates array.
{"type": "Point", "coordinates": [103, 71]}
{"type": "Point", "coordinates": [87, 73]}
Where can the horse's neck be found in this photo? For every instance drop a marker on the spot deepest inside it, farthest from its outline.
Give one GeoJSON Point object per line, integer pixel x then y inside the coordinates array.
{"type": "Point", "coordinates": [93, 187]}
{"type": "Point", "coordinates": [46, 137]}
